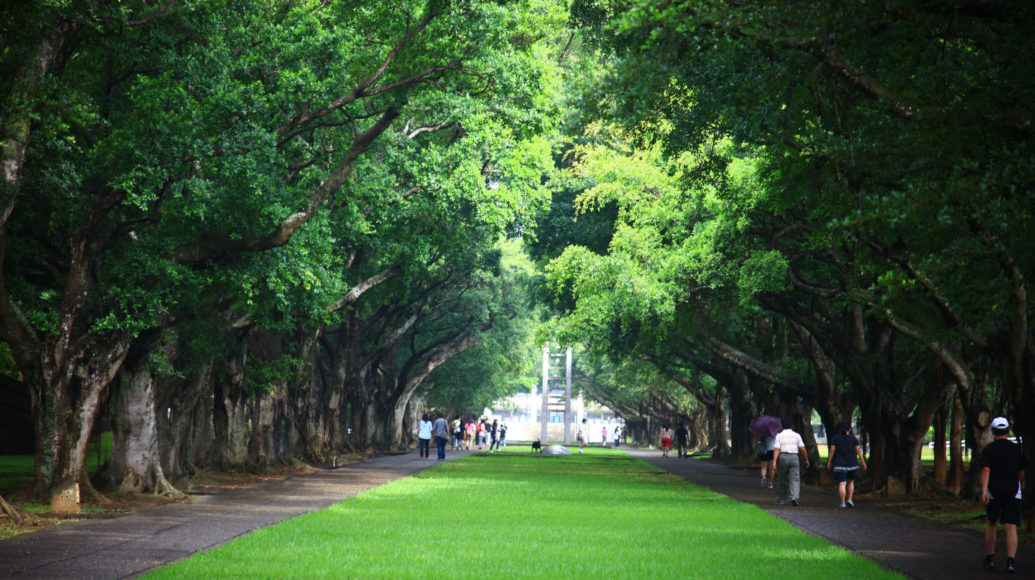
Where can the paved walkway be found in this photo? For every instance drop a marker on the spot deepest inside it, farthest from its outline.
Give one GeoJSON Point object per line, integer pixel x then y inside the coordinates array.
{"type": "Point", "coordinates": [130, 545]}
{"type": "Point", "coordinates": [914, 547]}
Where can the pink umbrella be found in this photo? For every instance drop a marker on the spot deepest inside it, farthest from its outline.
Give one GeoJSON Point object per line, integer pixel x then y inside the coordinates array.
{"type": "Point", "coordinates": [765, 426]}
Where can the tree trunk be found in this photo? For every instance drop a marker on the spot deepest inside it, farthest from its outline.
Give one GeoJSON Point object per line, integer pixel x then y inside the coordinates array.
{"type": "Point", "coordinates": [717, 419]}
{"type": "Point", "coordinates": [230, 416]}
{"type": "Point", "coordinates": [177, 434]}
{"type": "Point", "coordinates": [136, 461]}
{"type": "Point", "coordinates": [24, 95]}
{"type": "Point", "coordinates": [978, 434]}
{"type": "Point", "coordinates": [742, 410]}
{"type": "Point", "coordinates": [940, 464]}
{"type": "Point", "coordinates": [955, 481]}
{"type": "Point", "coordinates": [201, 442]}
{"type": "Point", "coordinates": [65, 404]}
{"type": "Point", "coordinates": [262, 442]}
{"type": "Point", "coordinates": [699, 429]}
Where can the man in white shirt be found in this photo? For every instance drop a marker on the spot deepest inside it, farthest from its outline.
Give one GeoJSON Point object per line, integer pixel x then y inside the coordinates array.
{"type": "Point", "coordinates": [788, 450]}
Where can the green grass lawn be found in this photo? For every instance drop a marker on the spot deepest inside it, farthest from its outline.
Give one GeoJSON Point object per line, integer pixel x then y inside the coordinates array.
{"type": "Point", "coordinates": [514, 515]}
{"type": "Point", "coordinates": [16, 471]}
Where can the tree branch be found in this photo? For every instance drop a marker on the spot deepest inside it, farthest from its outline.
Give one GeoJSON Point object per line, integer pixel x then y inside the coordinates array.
{"type": "Point", "coordinates": [361, 89]}
{"type": "Point", "coordinates": [359, 289]}
{"type": "Point", "coordinates": [281, 235]}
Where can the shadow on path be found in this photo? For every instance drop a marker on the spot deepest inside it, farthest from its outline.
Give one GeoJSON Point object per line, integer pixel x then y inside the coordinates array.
{"type": "Point", "coordinates": [914, 547]}
{"type": "Point", "coordinates": [154, 537]}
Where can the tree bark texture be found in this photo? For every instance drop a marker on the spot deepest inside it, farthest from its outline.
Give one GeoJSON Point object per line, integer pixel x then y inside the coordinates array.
{"type": "Point", "coordinates": [136, 459]}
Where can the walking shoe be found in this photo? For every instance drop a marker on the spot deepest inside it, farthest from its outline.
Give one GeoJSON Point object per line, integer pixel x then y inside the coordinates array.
{"type": "Point", "coordinates": [764, 481]}
{"type": "Point", "coordinates": [990, 562]}
{"type": "Point", "coordinates": [1009, 565]}
{"type": "Point", "coordinates": [794, 502]}
{"type": "Point", "coordinates": [780, 502]}
{"type": "Point", "coordinates": [841, 506]}
{"type": "Point", "coordinates": [771, 486]}
{"type": "Point", "coordinates": [850, 503]}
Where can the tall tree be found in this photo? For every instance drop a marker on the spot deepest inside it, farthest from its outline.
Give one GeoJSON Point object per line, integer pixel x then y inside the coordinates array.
{"type": "Point", "coordinates": [189, 158]}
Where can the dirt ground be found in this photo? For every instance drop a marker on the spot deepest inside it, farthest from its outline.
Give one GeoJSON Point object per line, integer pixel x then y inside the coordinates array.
{"type": "Point", "coordinates": [119, 504]}
{"type": "Point", "coordinates": [951, 511]}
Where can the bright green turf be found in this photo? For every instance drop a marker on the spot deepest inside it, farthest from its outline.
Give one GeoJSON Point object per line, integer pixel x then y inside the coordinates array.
{"type": "Point", "coordinates": [513, 515]}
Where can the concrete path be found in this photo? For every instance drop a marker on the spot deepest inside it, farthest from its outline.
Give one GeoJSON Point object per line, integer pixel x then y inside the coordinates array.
{"type": "Point", "coordinates": [130, 545]}
{"type": "Point", "coordinates": [914, 547]}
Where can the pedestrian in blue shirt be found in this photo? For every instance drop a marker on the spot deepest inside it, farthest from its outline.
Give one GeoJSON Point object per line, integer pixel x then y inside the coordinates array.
{"type": "Point", "coordinates": [843, 450]}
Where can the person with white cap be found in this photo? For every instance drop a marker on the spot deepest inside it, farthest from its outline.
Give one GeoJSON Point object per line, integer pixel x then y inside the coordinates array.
{"type": "Point", "coordinates": [1002, 477]}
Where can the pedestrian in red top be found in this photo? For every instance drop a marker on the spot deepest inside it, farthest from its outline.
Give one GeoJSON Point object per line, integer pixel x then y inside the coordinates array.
{"type": "Point", "coordinates": [666, 440]}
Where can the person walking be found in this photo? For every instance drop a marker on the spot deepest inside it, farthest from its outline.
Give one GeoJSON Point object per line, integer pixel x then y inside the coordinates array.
{"type": "Point", "coordinates": [503, 436]}
{"type": "Point", "coordinates": [618, 436]}
{"type": "Point", "coordinates": [682, 441]}
{"type": "Point", "coordinates": [424, 436]}
{"type": "Point", "coordinates": [483, 433]}
{"type": "Point", "coordinates": [471, 427]}
{"type": "Point", "coordinates": [494, 433]}
{"type": "Point", "coordinates": [788, 454]}
{"type": "Point", "coordinates": [842, 453]}
{"type": "Point", "coordinates": [583, 434]}
{"type": "Point", "coordinates": [765, 458]}
{"type": "Point", "coordinates": [603, 436]}
{"type": "Point", "coordinates": [666, 440]}
{"type": "Point", "coordinates": [1002, 477]}
{"type": "Point", "coordinates": [458, 433]}
{"type": "Point", "coordinates": [440, 430]}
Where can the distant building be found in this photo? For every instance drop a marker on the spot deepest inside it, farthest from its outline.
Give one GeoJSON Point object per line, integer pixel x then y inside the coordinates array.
{"type": "Point", "coordinates": [522, 415]}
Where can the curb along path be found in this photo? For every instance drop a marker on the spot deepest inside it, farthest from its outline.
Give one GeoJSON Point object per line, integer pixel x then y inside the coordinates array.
{"type": "Point", "coordinates": [915, 547]}
{"type": "Point", "coordinates": [133, 544]}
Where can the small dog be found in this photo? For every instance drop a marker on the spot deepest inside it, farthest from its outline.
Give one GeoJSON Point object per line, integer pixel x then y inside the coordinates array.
{"type": "Point", "coordinates": [537, 447]}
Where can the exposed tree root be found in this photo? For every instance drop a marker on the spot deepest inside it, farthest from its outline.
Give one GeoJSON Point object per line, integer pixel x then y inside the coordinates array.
{"type": "Point", "coordinates": [18, 516]}
{"type": "Point", "coordinates": [166, 489]}
{"type": "Point", "coordinates": [89, 493]}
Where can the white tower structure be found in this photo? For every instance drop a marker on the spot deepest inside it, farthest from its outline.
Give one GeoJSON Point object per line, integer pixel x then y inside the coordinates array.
{"type": "Point", "coordinates": [556, 390]}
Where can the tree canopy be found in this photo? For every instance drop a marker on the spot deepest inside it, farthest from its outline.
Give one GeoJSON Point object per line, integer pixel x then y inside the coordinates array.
{"type": "Point", "coordinates": [294, 225]}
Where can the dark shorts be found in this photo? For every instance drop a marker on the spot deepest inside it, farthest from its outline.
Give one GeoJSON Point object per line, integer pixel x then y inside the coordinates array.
{"type": "Point", "coordinates": [1007, 511]}
{"type": "Point", "coordinates": [765, 455]}
{"type": "Point", "coordinates": [842, 476]}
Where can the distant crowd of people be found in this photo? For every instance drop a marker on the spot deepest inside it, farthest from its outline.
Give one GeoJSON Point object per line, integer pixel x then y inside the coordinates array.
{"type": "Point", "coordinates": [463, 435]}
{"type": "Point", "coordinates": [459, 434]}
{"type": "Point", "coordinates": [583, 436]}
